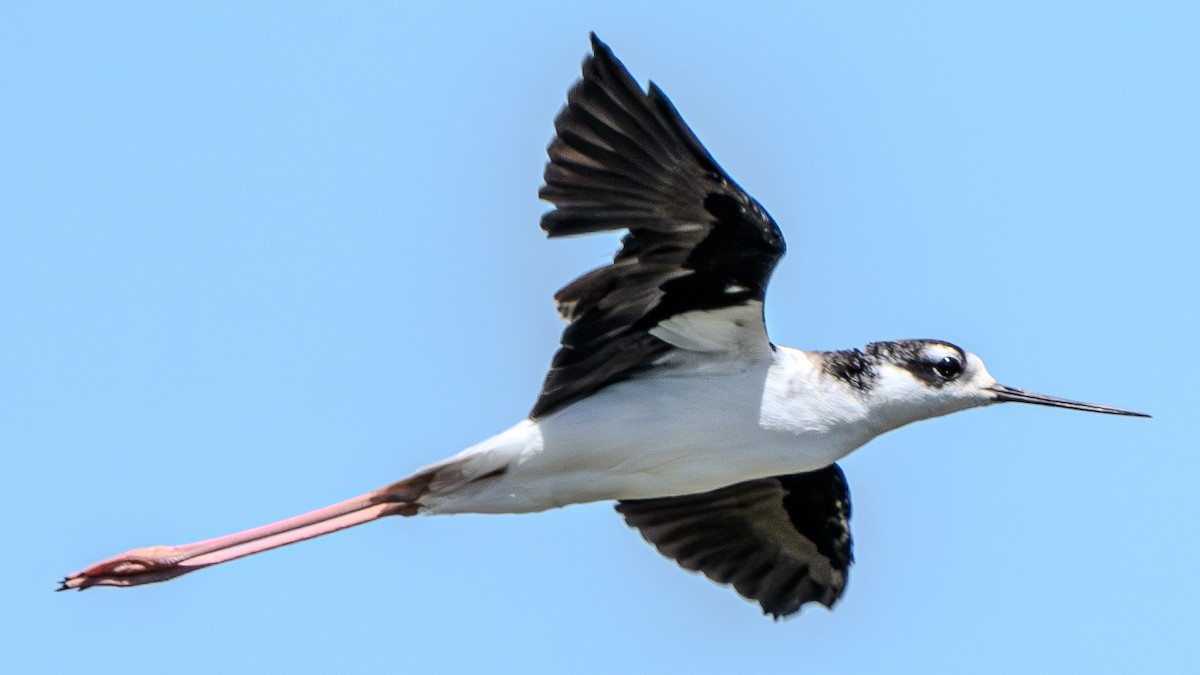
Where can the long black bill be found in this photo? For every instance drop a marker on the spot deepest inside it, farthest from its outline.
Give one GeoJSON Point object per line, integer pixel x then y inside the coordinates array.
{"type": "Point", "coordinates": [1004, 393]}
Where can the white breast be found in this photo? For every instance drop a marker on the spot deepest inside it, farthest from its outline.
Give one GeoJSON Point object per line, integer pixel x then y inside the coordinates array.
{"type": "Point", "coordinates": [667, 434]}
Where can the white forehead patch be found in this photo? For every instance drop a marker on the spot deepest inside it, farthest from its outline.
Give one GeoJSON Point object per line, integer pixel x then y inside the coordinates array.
{"type": "Point", "coordinates": [936, 352]}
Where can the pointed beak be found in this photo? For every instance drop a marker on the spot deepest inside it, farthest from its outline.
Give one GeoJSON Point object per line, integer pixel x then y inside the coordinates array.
{"type": "Point", "coordinates": [1004, 394]}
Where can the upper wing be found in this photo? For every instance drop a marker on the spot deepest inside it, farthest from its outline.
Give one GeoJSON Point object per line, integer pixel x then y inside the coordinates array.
{"type": "Point", "coordinates": [624, 159]}
{"type": "Point", "coordinates": [781, 541]}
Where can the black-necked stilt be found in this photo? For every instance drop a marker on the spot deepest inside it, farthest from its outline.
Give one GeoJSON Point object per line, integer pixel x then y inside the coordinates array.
{"type": "Point", "coordinates": [667, 395]}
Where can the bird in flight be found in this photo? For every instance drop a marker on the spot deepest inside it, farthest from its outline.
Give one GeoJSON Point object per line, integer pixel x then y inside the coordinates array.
{"type": "Point", "coordinates": [666, 394]}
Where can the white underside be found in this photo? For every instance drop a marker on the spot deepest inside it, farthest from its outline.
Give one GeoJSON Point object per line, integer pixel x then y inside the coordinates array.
{"type": "Point", "coordinates": [680, 429]}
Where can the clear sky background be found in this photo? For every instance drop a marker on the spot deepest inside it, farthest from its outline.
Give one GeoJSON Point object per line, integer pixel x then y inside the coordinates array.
{"type": "Point", "coordinates": [257, 258]}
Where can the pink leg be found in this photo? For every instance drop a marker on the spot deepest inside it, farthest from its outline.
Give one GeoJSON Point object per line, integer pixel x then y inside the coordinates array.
{"type": "Point", "coordinates": [161, 563]}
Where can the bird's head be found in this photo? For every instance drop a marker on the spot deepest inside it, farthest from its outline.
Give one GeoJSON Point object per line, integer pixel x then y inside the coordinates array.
{"type": "Point", "coordinates": [918, 379]}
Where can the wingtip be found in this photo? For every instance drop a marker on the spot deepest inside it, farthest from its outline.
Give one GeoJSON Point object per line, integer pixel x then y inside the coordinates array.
{"type": "Point", "coordinates": [778, 614]}
{"type": "Point", "coordinates": [600, 48]}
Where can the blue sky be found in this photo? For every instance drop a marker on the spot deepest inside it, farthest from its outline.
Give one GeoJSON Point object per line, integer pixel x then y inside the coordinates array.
{"type": "Point", "coordinates": [257, 259]}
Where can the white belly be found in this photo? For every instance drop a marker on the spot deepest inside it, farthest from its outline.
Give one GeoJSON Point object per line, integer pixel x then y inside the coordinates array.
{"type": "Point", "coordinates": [660, 436]}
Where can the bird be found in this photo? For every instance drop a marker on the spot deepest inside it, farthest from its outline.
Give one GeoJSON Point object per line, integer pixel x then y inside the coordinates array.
{"type": "Point", "coordinates": [666, 395]}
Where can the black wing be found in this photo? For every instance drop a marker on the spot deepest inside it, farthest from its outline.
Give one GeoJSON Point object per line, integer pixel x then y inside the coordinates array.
{"type": "Point", "coordinates": [623, 159]}
{"type": "Point", "coordinates": [780, 541]}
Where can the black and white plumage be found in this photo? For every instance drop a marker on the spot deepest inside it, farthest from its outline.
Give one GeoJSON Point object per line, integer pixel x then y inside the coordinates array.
{"type": "Point", "coordinates": [625, 160]}
{"type": "Point", "coordinates": [666, 395]}
{"type": "Point", "coordinates": [782, 541]}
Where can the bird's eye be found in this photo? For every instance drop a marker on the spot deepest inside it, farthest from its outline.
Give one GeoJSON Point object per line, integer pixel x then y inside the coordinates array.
{"type": "Point", "coordinates": [948, 368]}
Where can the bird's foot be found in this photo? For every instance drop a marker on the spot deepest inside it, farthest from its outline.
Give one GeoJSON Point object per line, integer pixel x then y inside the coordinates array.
{"type": "Point", "coordinates": [132, 568]}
